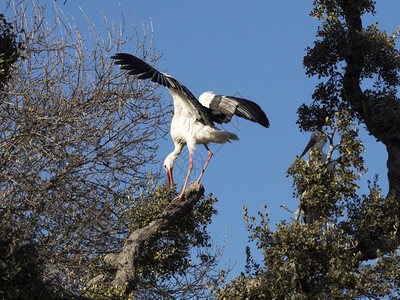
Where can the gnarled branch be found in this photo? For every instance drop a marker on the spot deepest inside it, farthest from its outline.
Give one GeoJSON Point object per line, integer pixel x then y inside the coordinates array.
{"type": "Point", "coordinates": [126, 261]}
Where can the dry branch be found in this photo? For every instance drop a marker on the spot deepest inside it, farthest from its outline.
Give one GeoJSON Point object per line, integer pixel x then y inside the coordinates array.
{"type": "Point", "coordinates": [75, 137]}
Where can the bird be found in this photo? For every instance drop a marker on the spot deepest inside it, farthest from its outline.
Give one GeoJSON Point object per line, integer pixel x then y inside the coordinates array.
{"type": "Point", "coordinates": [194, 120]}
{"type": "Point", "coordinates": [317, 140]}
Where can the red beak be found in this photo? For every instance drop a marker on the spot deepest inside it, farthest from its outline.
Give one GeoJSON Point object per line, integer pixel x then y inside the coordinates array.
{"type": "Point", "coordinates": [170, 177]}
{"type": "Point", "coordinates": [309, 145]}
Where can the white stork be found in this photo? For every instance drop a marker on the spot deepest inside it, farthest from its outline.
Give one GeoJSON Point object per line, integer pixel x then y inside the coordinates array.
{"type": "Point", "coordinates": [318, 141]}
{"type": "Point", "coordinates": [193, 120]}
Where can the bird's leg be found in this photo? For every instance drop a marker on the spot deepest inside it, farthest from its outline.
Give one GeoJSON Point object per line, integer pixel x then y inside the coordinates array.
{"type": "Point", "coordinates": [205, 166]}
{"type": "Point", "coordinates": [187, 177]}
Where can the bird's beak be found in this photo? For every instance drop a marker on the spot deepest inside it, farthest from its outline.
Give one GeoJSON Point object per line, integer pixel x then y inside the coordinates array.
{"type": "Point", "coordinates": [170, 177]}
{"type": "Point", "coordinates": [309, 145]}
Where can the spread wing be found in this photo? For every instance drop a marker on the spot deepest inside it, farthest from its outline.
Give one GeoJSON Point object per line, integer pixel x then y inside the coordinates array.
{"type": "Point", "coordinates": [136, 66]}
{"type": "Point", "coordinates": [224, 107]}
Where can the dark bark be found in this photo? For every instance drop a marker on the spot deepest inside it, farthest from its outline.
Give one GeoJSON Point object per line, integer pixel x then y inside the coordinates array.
{"type": "Point", "coordinates": [137, 242]}
{"type": "Point", "coordinates": [393, 165]}
{"type": "Point", "coordinates": [379, 118]}
{"type": "Point", "coordinates": [376, 119]}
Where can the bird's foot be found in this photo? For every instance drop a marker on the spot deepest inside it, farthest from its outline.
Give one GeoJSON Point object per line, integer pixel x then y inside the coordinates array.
{"type": "Point", "coordinates": [197, 181]}
{"type": "Point", "coordinates": [177, 198]}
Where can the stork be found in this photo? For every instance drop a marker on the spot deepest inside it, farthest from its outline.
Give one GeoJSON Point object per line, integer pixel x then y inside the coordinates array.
{"type": "Point", "coordinates": [317, 141]}
{"type": "Point", "coordinates": [194, 120]}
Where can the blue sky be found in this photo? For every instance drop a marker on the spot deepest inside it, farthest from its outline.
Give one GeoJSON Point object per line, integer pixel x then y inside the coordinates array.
{"type": "Point", "coordinates": [253, 49]}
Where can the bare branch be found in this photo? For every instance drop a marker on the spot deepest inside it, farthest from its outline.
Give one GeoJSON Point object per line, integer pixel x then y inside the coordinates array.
{"type": "Point", "coordinates": [74, 137]}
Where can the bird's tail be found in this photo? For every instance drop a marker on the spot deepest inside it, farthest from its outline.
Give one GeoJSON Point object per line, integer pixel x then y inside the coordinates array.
{"type": "Point", "coordinates": [223, 136]}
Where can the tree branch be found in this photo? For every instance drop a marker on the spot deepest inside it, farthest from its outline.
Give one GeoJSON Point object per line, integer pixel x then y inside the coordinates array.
{"type": "Point", "coordinates": [126, 261]}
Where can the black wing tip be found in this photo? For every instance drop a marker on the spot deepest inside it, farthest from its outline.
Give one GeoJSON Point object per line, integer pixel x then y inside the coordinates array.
{"type": "Point", "coordinates": [260, 117]}
{"type": "Point", "coordinates": [134, 65]}
{"type": "Point", "coordinates": [137, 66]}
{"type": "Point", "coordinates": [128, 61]}
{"type": "Point", "coordinates": [120, 55]}
{"type": "Point", "coordinates": [253, 111]}
{"type": "Point", "coordinates": [263, 121]}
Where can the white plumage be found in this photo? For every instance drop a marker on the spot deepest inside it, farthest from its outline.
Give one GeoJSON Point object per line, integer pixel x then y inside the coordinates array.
{"type": "Point", "coordinates": [193, 120]}
{"type": "Point", "coordinates": [318, 141]}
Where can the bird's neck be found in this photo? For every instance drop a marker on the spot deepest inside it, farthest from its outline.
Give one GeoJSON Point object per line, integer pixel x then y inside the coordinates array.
{"type": "Point", "coordinates": [174, 154]}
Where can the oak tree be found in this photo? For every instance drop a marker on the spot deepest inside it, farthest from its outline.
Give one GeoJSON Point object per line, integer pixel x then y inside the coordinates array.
{"type": "Point", "coordinates": [331, 257]}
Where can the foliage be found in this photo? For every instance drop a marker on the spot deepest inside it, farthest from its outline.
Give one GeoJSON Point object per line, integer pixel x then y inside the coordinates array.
{"type": "Point", "coordinates": [347, 55]}
{"type": "Point", "coordinates": [170, 255]}
{"type": "Point", "coordinates": [374, 222]}
{"type": "Point", "coordinates": [330, 257]}
{"type": "Point", "coordinates": [21, 265]}
{"type": "Point", "coordinates": [328, 190]}
{"type": "Point", "coordinates": [9, 49]}
{"type": "Point", "coordinates": [103, 291]}
{"type": "Point", "coordinates": [181, 261]}
{"type": "Point", "coordinates": [325, 259]}
{"type": "Point", "coordinates": [360, 69]}
{"type": "Point", "coordinates": [168, 268]}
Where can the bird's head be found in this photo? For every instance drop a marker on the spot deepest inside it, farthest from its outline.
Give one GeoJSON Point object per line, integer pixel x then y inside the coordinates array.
{"type": "Point", "coordinates": [317, 139]}
{"type": "Point", "coordinates": [169, 168]}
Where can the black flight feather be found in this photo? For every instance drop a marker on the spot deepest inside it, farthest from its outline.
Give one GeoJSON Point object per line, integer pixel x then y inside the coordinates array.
{"type": "Point", "coordinates": [136, 66]}
{"type": "Point", "coordinates": [251, 111]}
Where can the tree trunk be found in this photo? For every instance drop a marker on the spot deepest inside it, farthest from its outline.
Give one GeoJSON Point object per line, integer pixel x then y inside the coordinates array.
{"type": "Point", "coordinates": [380, 118]}
{"type": "Point", "coordinates": [393, 165]}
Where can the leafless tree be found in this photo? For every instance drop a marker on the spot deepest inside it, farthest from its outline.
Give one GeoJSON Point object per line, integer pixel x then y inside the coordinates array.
{"type": "Point", "coordinates": [77, 142]}
{"type": "Point", "coordinates": [71, 141]}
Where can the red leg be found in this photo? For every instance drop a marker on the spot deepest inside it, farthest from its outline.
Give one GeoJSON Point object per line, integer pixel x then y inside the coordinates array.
{"type": "Point", "coordinates": [205, 166]}
{"type": "Point", "coordinates": [187, 177]}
